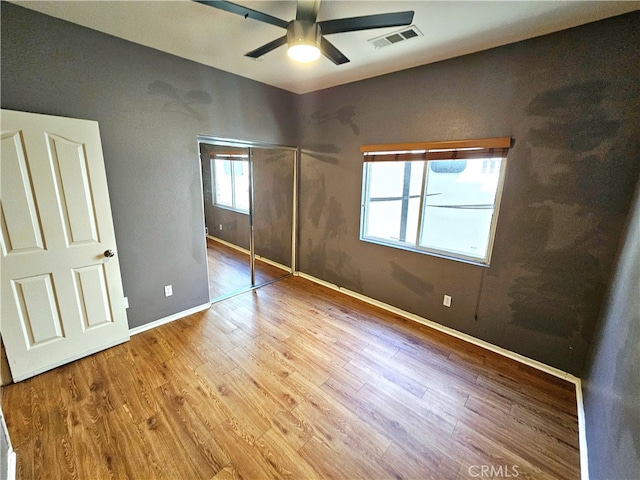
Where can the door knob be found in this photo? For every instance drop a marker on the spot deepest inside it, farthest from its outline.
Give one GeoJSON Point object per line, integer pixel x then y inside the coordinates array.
{"type": "Point", "coordinates": [109, 253]}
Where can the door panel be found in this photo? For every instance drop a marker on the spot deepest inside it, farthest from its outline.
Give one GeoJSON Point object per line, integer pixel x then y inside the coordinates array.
{"type": "Point", "coordinates": [38, 310]}
{"type": "Point", "coordinates": [67, 159]}
{"type": "Point", "coordinates": [62, 297]}
{"type": "Point", "coordinates": [20, 219]}
{"type": "Point", "coordinates": [92, 296]}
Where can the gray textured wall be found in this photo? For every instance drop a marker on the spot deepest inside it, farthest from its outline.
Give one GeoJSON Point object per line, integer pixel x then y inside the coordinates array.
{"type": "Point", "coordinates": [612, 381]}
{"type": "Point", "coordinates": [571, 101]}
{"type": "Point", "coordinates": [150, 106]}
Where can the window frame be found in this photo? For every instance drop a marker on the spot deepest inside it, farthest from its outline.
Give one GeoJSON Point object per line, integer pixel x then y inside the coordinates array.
{"type": "Point", "coordinates": [231, 159]}
{"type": "Point", "coordinates": [426, 152]}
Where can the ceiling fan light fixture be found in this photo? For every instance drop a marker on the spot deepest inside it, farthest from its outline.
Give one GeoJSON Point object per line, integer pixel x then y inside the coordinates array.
{"type": "Point", "coordinates": [303, 41]}
{"type": "Point", "coordinates": [303, 53]}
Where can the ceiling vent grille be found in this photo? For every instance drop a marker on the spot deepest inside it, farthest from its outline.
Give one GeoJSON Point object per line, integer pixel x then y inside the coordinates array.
{"type": "Point", "coordinates": [406, 33]}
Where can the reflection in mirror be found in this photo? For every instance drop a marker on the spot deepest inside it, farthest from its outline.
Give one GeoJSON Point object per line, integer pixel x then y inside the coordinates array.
{"type": "Point", "coordinates": [273, 183]}
{"type": "Point", "coordinates": [225, 178]}
{"type": "Point", "coordinates": [232, 176]}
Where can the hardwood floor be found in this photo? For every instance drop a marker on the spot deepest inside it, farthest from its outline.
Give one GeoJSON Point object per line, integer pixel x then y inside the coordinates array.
{"type": "Point", "coordinates": [229, 270]}
{"type": "Point", "coordinates": [293, 381]}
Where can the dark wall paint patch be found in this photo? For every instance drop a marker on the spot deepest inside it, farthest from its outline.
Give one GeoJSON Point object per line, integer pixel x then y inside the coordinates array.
{"type": "Point", "coordinates": [551, 297]}
{"type": "Point", "coordinates": [344, 115]}
{"type": "Point", "coordinates": [314, 186]}
{"type": "Point", "coordinates": [180, 102]}
{"type": "Point", "coordinates": [413, 282]}
{"type": "Point", "coordinates": [562, 287]}
{"type": "Point", "coordinates": [336, 223]}
{"type": "Point", "coordinates": [579, 122]}
{"type": "Point", "coordinates": [333, 265]}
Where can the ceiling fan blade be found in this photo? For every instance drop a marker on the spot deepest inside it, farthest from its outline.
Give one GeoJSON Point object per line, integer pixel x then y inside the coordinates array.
{"type": "Point", "coordinates": [307, 10]}
{"type": "Point", "coordinates": [332, 53]}
{"type": "Point", "coordinates": [260, 51]}
{"type": "Point", "coordinates": [245, 12]}
{"type": "Point", "coordinates": [366, 22]}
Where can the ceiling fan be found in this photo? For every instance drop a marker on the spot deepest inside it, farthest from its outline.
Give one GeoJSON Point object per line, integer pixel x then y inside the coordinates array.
{"type": "Point", "coordinates": [305, 36]}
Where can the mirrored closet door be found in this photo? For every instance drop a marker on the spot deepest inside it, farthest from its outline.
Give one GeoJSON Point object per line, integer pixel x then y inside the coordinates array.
{"type": "Point", "coordinates": [249, 198]}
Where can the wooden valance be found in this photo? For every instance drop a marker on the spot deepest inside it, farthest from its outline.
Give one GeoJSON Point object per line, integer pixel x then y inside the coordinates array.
{"type": "Point", "coordinates": [454, 150]}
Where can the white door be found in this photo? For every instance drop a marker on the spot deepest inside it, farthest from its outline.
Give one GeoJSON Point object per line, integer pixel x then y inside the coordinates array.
{"type": "Point", "coordinates": [62, 295]}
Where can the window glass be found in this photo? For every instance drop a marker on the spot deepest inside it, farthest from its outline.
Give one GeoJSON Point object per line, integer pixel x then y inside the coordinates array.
{"type": "Point", "coordinates": [231, 184]}
{"type": "Point", "coordinates": [241, 185]}
{"type": "Point", "coordinates": [459, 205]}
{"type": "Point", "coordinates": [222, 183]}
{"type": "Point", "coordinates": [445, 207]}
{"type": "Point", "coordinates": [393, 200]}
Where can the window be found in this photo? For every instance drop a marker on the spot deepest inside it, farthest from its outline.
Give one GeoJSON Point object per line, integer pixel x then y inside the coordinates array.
{"type": "Point", "coordinates": [230, 180]}
{"type": "Point", "coordinates": [438, 198]}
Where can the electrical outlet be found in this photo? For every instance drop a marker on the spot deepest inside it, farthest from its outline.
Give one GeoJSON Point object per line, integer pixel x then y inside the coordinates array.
{"type": "Point", "coordinates": [126, 302]}
{"type": "Point", "coordinates": [220, 226]}
{"type": "Point", "coordinates": [168, 291]}
{"type": "Point", "coordinates": [446, 301]}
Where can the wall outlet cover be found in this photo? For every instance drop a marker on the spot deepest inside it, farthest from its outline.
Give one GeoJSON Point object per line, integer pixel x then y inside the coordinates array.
{"type": "Point", "coordinates": [168, 291]}
{"type": "Point", "coordinates": [447, 301]}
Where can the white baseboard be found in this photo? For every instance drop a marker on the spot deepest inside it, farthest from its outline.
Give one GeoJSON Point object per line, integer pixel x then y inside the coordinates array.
{"type": "Point", "coordinates": [11, 465]}
{"type": "Point", "coordinates": [228, 244]}
{"type": "Point", "coordinates": [582, 433]}
{"type": "Point", "coordinates": [9, 453]}
{"type": "Point", "coordinates": [170, 318]}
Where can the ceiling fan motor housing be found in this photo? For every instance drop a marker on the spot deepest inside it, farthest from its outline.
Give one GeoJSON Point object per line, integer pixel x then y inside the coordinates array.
{"type": "Point", "coordinates": [303, 32]}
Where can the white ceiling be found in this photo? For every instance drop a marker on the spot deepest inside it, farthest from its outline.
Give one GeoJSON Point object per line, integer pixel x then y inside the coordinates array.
{"type": "Point", "coordinates": [220, 39]}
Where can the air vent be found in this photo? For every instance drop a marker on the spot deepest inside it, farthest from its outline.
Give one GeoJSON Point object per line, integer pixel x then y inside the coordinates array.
{"type": "Point", "coordinates": [406, 33]}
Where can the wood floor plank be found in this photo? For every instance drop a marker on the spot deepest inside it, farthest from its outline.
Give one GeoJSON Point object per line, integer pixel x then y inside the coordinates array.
{"type": "Point", "coordinates": [293, 381]}
{"type": "Point", "coordinates": [335, 423]}
{"type": "Point", "coordinates": [167, 443]}
{"type": "Point", "coordinates": [134, 450]}
{"type": "Point", "coordinates": [97, 452]}
{"type": "Point", "coordinates": [246, 420]}
{"type": "Point", "coordinates": [245, 456]}
{"type": "Point", "coordinates": [285, 460]}
{"type": "Point", "coordinates": [268, 382]}
{"type": "Point", "coordinates": [197, 441]}
{"type": "Point", "coordinates": [294, 428]}
{"type": "Point", "coordinates": [295, 359]}
{"type": "Point", "coordinates": [398, 462]}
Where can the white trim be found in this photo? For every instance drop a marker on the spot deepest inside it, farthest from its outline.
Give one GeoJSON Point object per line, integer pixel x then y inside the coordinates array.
{"type": "Point", "coordinates": [582, 433]}
{"type": "Point", "coordinates": [11, 464]}
{"type": "Point", "coordinates": [10, 473]}
{"type": "Point", "coordinates": [243, 250]}
{"type": "Point", "coordinates": [450, 331]}
{"type": "Point", "coordinates": [228, 244]}
{"type": "Point", "coordinates": [294, 211]}
{"type": "Point", "coordinates": [170, 318]}
{"type": "Point", "coordinates": [272, 263]}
